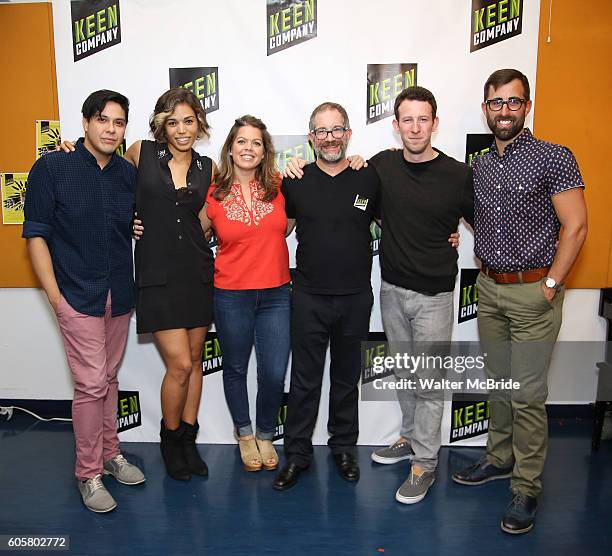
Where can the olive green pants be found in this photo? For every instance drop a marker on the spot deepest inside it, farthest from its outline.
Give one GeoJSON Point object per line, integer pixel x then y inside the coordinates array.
{"type": "Point", "coordinates": [518, 328]}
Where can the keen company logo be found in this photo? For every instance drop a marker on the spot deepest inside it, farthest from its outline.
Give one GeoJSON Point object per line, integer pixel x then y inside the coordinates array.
{"type": "Point", "coordinates": [375, 234]}
{"type": "Point", "coordinates": [477, 144]}
{"type": "Point", "coordinates": [203, 82]}
{"type": "Point", "coordinates": [468, 295]}
{"type": "Point", "coordinates": [376, 346]}
{"type": "Point", "coordinates": [290, 22]}
{"type": "Point", "coordinates": [128, 410]}
{"type": "Point", "coordinates": [384, 83]}
{"type": "Point", "coordinates": [120, 150]}
{"type": "Point", "coordinates": [279, 431]}
{"type": "Point", "coordinates": [212, 358]}
{"type": "Point", "coordinates": [469, 416]}
{"type": "Point", "coordinates": [96, 25]}
{"type": "Point", "coordinates": [361, 203]}
{"type": "Point", "coordinates": [494, 21]}
{"type": "Point", "coordinates": [289, 146]}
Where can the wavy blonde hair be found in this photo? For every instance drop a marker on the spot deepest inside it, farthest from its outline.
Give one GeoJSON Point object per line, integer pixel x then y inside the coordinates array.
{"type": "Point", "coordinates": [165, 106]}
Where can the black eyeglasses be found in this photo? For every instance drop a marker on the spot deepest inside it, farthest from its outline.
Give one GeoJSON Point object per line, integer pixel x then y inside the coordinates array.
{"type": "Point", "coordinates": [513, 103]}
{"type": "Point", "coordinates": [336, 132]}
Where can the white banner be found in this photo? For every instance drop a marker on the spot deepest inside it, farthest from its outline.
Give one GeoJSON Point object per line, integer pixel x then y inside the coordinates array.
{"type": "Point", "coordinates": [277, 60]}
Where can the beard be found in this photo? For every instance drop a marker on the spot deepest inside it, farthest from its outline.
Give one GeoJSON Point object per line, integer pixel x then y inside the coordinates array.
{"type": "Point", "coordinates": [505, 133]}
{"type": "Point", "coordinates": [331, 157]}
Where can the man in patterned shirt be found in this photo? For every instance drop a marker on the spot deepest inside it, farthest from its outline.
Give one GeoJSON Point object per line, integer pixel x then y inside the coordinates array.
{"type": "Point", "coordinates": [78, 213]}
{"type": "Point", "coordinates": [525, 190]}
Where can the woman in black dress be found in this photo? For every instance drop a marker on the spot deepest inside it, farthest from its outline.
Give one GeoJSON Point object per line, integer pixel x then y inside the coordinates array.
{"type": "Point", "coordinates": [174, 267]}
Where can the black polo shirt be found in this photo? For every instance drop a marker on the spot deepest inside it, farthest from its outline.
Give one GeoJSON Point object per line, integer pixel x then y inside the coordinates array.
{"type": "Point", "coordinates": [333, 215]}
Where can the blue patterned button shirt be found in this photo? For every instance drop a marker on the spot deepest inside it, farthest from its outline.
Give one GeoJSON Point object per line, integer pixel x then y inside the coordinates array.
{"type": "Point", "coordinates": [515, 224]}
{"type": "Point", "coordinates": [84, 213]}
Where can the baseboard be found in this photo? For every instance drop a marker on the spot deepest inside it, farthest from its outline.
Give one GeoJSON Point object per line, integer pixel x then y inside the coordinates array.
{"type": "Point", "coordinates": [63, 408]}
{"type": "Point", "coordinates": [44, 408]}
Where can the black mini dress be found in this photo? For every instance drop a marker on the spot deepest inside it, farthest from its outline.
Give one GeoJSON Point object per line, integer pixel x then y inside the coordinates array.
{"type": "Point", "coordinates": [173, 261]}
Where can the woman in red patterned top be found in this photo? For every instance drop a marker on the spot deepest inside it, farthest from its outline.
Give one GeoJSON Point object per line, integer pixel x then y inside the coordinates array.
{"type": "Point", "coordinates": [251, 295]}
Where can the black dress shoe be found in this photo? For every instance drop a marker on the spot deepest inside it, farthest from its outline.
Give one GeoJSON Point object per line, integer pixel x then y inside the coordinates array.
{"type": "Point", "coordinates": [520, 514]}
{"type": "Point", "coordinates": [481, 472]}
{"type": "Point", "coordinates": [347, 466]}
{"type": "Point", "coordinates": [287, 476]}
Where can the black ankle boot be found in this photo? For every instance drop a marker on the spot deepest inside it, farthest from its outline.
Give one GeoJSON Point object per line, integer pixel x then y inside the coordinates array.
{"type": "Point", "coordinates": [195, 463]}
{"type": "Point", "coordinates": [172, 452]}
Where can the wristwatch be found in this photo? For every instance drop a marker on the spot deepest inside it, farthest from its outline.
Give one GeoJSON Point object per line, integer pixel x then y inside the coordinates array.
{"type": "Point", "coordinates": [550, 283]}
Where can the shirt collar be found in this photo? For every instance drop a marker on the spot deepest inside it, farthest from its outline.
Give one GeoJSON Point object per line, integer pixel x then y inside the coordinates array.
{"type": "Point", "coordinates": [523, 139]}
{"type": "Point", "coordinates": [253, 183]}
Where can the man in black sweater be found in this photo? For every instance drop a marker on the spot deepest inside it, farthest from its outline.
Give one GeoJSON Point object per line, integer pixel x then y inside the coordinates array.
{"type": "Point", "coordinates": [332, 295]}
{"type": "Point", "coordinates": [424, 194]}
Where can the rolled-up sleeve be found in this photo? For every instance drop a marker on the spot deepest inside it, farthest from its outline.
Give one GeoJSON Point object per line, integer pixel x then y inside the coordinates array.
{"type": "Point", "coordinates": [39, 203]}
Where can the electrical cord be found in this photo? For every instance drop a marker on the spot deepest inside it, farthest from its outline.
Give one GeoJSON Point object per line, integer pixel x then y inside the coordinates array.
{"type": "Point", "coordinates": [8, 411]}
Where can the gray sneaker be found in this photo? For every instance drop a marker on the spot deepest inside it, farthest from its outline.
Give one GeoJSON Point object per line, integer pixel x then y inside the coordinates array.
{"type": "Point", "coordinates": [95, 496]}
{"type": "Point", "coordinates": [398, 451]}
{"type": "Point", "coordinates": [123, 471]}
{"type": "Point", "coordinates": [415, 487]}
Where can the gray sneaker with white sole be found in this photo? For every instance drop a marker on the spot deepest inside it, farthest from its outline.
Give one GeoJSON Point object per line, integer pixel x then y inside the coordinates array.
{"type": "Point", "coordinates": [398, 451]}
{"type": "Point", "coordinates": [415, 487]}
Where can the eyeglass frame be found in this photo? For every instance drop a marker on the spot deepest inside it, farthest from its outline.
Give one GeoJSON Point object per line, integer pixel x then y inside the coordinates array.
{"type": "Point", "coordinates": [507, 103]}
{"type": "Point", "coordinates": [328, 131]}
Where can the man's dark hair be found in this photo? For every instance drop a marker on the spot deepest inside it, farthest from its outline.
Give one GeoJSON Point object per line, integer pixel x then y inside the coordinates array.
{"type": "Point", "coordinates": [503, 77]}
{"type": "Point", "coordinates": [95, 103]}
{"type": "Point", "coordinates": [416, 93]}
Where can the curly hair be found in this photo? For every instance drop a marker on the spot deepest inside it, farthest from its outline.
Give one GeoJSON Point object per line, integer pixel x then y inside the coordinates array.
{"type": "Point", "coordinates": [165, 106]}
{"type": "Point", "coordinates": [266, 173]}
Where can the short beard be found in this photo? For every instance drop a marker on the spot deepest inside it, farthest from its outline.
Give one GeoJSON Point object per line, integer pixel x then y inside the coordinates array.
{"type": "Point", "coordinates": [507, 133]}
{"type": "Point", "coordinates": [331, 158]}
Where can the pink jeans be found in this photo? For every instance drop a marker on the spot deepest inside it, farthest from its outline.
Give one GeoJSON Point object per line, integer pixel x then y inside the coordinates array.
{"type": "Point", "coordinates": [94, 348]}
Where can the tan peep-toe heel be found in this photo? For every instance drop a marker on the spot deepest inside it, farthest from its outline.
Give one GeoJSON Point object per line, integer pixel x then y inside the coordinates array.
{"type": "Point", "coordinates": [251, 458]}
{"type": "Point", "coordinates": [268, 454]}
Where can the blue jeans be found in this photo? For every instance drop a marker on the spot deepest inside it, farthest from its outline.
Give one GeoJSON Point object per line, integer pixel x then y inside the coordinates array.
{"type": "Point", "coordinates": [244, 318]}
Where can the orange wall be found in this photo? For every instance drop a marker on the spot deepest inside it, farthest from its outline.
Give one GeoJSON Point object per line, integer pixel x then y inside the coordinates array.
{"type": "Point", "coordinates": [573, 108]}
{"type": "Point", "coordinates": [27, 63]}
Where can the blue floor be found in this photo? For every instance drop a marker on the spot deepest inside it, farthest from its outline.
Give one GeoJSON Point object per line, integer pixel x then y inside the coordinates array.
{"type": "Point", "coordinates": [234, 512]}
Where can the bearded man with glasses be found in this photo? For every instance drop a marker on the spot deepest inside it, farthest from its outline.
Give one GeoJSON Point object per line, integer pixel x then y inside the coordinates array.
{"type": "Point", "coordinates": [332, 298]}
{"type": "Point", "coordinates": [525, 190]}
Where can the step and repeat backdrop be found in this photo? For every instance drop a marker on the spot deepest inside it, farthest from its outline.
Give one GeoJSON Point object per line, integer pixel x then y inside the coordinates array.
{"type": "Point", "coordinates": [278, 59]}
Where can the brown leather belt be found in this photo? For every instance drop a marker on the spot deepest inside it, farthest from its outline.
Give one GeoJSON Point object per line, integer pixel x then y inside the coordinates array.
{"type": "Point", "coordinates": [520, 277]}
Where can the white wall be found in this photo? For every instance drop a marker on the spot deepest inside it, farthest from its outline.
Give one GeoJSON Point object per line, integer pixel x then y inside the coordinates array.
{"type": "Point", "coordinates": [33, 366]}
